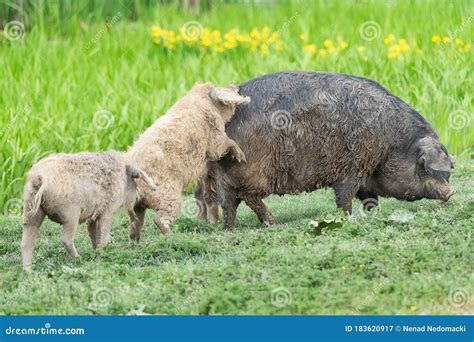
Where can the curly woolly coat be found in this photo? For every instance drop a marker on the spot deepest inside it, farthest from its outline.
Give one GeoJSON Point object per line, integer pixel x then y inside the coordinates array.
{"type": "Point", "coordinates": [77, 188]}
{"type": "Point", "coordinates": [175, 149]}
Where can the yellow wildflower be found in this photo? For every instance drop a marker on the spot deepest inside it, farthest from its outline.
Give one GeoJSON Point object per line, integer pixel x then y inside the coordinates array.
{"type": "Point", "coordinates": [361, 49]}
{"type": "Point", "coordinates": [279, 46]}
{"type": "Point", "coordinates": [467, 47]}
{"type": "Point", "coordinates": [323, 53]}
{"type": "Point", "coordinates": [458, 41]}
{"type": "Point", "coordinates": [389, 39]}
{"type": "Point", "coordinates": [392, 55]}
{"type": "Point", "coordinates": [304, 36]}
{"type": "Point", "coordinates": [309, 49]}
{"type": "Point", "coordinates": [446, 40]}
{"type": "Point", "coordinates": [264, 49]}
{"type": "Point", "coordinates": [155, 31]}
{"type": "Point", "coordinates": [273, 38]}
{"type": "Point", "coordinates": [436, 39]}
{"type": "Point", "coordinates": [328, 43]}
{"type": "Point", "coordinates": [343, 45]}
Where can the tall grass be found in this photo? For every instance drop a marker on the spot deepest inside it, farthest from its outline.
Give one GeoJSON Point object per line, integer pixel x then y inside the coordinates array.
{"type": "Point", "coordinates": [60, 82]}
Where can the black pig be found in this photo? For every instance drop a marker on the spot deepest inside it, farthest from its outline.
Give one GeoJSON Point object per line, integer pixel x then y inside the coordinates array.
{"type": "Point", "coordinates": [304, 130]}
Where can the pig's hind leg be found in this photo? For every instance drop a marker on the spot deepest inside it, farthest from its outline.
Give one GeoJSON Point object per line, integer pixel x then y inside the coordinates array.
{"type": "Point", "coordinates": [229, 204]}
{"type": "Point", "coordinates": [31, 226]}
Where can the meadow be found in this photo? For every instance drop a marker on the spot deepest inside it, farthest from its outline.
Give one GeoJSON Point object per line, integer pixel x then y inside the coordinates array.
{"type": "Point", "coordinates": [94, 82]}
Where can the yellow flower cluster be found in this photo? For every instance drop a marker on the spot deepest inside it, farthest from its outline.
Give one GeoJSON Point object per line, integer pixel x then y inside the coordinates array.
{"type": "Point", "coordinates": [328, 47]}
{"type": "Point", "coordinates": [458, 43]}
{"type": "Point", "coordinates": [399, 49]}
{"type": "Point", "coordinates": [194, 36]}
{"type": "Point", "coordinates": [213, 40]}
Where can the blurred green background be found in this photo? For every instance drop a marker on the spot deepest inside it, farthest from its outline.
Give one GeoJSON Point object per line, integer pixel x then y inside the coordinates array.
{"type": "Point", "coordinates": [91, 75]}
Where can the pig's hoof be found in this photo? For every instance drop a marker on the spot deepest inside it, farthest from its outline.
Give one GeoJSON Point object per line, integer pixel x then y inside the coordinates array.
{"type": "Point", "coordinates": [165, 230]}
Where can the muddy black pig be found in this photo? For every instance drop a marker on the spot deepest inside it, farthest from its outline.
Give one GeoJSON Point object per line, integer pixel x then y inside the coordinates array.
{"type": "Point", "coordinates": [306, 130]}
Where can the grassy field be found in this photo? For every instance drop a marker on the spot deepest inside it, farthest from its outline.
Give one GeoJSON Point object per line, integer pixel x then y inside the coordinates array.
{"type": "Point", "coordinates": [407, 258]}
{"type": "Point", "coordinates": [73, 83]}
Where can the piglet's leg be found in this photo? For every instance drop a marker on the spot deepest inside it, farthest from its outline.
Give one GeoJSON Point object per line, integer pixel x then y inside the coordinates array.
{"type": "Point", "coordinates": [93, 233]}
{"type": "Point", "coordinates": [137, 218]}
{"type": "Point", "coordinates": [167, 207]}
{"type": "Point", "coordinates": [69, 232]}
{"type": "Point", "coordinates": [105, 224]}
{"type": "Point", "coordinates": [30, 234]}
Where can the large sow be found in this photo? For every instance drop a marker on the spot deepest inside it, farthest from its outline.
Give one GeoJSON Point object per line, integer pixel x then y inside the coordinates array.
{"type": "Point", "coordinates": [304, 130]}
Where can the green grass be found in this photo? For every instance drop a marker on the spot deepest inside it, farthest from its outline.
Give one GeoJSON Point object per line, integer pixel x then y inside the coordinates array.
{"type": "Point", "coordinates": [68, 68]}
{"type": "Point", "coordinates": [373, 264]}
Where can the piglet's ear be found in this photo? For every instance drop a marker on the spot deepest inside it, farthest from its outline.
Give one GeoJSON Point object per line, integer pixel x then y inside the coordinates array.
{"type": "Point", "coordinates": [136, 173]}
{"type": "Point", "coordinates": [132, 171]}
{"type": "Point", "coordinates": [228, 96]}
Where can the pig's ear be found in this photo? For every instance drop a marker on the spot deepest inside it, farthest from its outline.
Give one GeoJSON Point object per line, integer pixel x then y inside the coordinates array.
{"type": "Point", "coordinates": [436, 162]}
{"type": "Point", "coordinates": [136, 173]}
{"type": "Point", "coordinates": [228, 96]}
{"type": "Point", "coordinates": [132, 171]}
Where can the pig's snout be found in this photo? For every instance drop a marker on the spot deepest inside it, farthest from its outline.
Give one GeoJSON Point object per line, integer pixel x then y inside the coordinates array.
{"type": "Point", "coordinates": [448, 195]}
